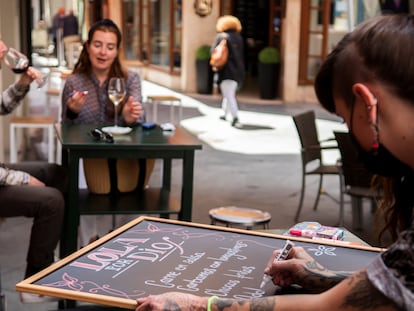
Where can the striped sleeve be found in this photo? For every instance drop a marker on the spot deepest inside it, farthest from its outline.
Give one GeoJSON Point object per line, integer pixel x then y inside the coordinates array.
{"type": "Point", "coordinates": [9, 177]}
{"type": "Point", "coordinates": [11, 97]}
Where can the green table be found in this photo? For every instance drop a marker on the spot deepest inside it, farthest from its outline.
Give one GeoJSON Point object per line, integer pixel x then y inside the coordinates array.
{"type": "Point", "coordinates": [155, 143]}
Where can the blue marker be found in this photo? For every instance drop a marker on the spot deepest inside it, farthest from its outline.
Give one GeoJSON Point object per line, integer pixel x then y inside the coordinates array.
{"type": "Point", "coordinates": [282, 256]}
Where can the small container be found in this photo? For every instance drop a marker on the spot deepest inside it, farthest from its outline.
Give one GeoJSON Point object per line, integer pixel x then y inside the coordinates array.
{"type": "Point", "coordinates": [314, 229]}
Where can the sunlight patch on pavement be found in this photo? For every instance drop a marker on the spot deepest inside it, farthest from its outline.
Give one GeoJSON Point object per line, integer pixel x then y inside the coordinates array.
{"type": "Point", "coordinates": [262, 133]}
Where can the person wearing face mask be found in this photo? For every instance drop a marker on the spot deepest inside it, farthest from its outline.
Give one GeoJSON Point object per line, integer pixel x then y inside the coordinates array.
{"type": "Point", "coordinates": [32, 189]}
{"type": "Point", "coordinates": [367, 80]}
{"type": "Point", "coordinates": [85, 101]}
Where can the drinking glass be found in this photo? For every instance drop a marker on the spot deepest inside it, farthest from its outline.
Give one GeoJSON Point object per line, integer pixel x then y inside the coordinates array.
{"type": "Point", "coordinates": [19, 63]}
{"type": "Point", "coordinates": [116, 93]}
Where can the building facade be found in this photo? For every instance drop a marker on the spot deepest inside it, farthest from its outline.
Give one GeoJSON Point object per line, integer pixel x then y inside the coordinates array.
{"type": "Point", "coordinates": [161, 37]}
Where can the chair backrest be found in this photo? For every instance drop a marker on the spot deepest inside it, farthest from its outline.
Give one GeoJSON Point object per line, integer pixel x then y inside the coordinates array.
{"type": "Point", "coordinates": [306, 126]}
{"type": "Point", "coordinates": [354, 172]}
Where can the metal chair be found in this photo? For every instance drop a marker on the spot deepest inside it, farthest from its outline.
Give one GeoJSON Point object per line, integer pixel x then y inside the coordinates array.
{"type": "Point", "coordinates": [311, 152]}
{"type": "Point", "coordinates": [355, 180]}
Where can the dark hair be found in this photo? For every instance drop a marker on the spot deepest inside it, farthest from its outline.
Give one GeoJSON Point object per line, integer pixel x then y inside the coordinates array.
{"type": "Point", "coordinates": [84, 64]}
{"type": "Point", "coordinates": [106, 25]}
{"type": "Point", "coordinates": [379, 49]}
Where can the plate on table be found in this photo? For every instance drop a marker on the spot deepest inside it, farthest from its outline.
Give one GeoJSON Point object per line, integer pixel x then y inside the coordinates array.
{"type": "Point", "coordinates": [117, 130]}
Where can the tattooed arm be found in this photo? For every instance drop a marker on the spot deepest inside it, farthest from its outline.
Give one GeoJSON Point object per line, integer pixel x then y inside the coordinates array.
{"type": "Point", "coordinates": [354, 293]}
{"type": "Point", "coordinates": [358, 293]}
{"type": "Point", "coordinates": [302, 269]}
{"type": "Point", "coordinates": [173, 302]}
{"type": "Point", "coordinates": [336, 291]}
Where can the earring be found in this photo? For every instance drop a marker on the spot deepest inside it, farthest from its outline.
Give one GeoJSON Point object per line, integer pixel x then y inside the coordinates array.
{"type": "Point", "coordinates": [373, 115]}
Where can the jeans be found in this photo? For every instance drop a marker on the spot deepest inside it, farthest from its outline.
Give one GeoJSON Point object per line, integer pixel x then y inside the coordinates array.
{"type": "Point", "coordinates": [44, 204]}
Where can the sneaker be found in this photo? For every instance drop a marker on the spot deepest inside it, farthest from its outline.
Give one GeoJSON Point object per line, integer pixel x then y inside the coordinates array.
{"type": "Point", "coordinates": [35, 298]}
{"type": "Point", "coordinates": [223, 118]}
{"type": "Point", "coordinates": [236, 123]}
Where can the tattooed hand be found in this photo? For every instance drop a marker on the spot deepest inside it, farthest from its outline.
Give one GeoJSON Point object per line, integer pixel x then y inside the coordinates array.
{"type": "Point", "coordinates": [303, 270]}
{"type": "Point", "coordinates": [172, 301]}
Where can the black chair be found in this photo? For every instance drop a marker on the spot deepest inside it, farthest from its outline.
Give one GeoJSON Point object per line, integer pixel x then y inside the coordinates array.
{"type": "Point", "coordinates": [311, 151]}
{"type": "Point", "coordinates": [355, 180]}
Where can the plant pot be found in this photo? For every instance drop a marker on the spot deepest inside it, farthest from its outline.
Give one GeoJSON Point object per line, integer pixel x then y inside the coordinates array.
{"type": "Point", "coordinates": [268, 80]}
{"type": "Point", "coordinates": [204, 77]}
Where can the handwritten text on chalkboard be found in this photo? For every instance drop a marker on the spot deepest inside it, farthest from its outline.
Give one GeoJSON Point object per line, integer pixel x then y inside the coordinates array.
{"type": "Point", "coordinates": [155, 257]}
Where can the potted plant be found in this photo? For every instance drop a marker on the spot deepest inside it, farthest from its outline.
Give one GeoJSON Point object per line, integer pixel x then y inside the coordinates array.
{"type": "Point", "coordinates": [203, 70]}
{"type": "Point", "coordinates": [269, 72]}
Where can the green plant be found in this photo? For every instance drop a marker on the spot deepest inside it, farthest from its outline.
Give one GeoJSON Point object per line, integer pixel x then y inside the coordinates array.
{"type": "Point", "coordinates": [269, 55]}
{"type": "Point", "coordinates": [203, 52]}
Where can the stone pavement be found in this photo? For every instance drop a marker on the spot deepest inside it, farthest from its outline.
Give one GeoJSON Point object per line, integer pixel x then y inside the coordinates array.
{"type": "Point", "coordinates": [257, 166]}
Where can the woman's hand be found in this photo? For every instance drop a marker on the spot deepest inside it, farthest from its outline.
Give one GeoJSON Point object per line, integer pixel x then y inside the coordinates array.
{"type": "Point", "coordinates": [76, 101]}
{"type": "Point", "coordinates": [172, 301]}
{"type": "Point", "coordinates": [302, 269]}
{"type": "Point", "coordinates": [132, 111]}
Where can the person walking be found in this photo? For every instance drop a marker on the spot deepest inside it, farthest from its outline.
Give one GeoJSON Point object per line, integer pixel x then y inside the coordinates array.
{"type": "Point", "coordinates": [231, 76]}
{"type": "Point", "coordinates": [57, 24]}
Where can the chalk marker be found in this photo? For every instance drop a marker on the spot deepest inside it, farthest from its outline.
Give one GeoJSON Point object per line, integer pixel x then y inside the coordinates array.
{"type": "Point", "coordinates": [282, 256]}
{"type": "Point", "coordinates": [74, 92]}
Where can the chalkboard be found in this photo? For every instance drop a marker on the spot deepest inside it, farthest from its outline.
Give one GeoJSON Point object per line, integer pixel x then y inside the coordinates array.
{"type": "Point", "coordinates": [153, 256]}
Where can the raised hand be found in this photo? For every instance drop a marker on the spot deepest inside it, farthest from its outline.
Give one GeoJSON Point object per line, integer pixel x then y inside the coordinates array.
{"type": "Point", "coordinates": [132, 111]}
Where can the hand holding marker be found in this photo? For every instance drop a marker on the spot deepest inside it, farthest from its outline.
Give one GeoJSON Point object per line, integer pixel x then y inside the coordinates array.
{"type": "Point", "coordinates": [282, 256]}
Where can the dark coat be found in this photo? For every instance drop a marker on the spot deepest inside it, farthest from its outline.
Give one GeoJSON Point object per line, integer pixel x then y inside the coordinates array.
{"type": "Point", "coordinates": [70, 25]}
{"type": "Point", "coordinates": [234, 68]}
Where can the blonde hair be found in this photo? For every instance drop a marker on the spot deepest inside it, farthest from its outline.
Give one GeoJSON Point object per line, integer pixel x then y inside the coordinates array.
{"type": "Point", "coordinates": [228, 22]}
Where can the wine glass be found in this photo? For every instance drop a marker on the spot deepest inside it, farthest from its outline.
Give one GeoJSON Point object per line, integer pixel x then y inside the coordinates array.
{"type": "Point", "coordinates": [19, 63]}
{"type": "Point", "coordinates": [116, 93]}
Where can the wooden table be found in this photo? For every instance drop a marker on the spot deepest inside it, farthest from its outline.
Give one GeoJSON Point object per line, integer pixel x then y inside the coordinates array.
{"type": "Point", "coordinates": [155, 143]}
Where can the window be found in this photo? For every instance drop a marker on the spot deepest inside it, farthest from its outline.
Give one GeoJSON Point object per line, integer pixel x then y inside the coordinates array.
{"type": "Point", "coordinates": [152, 31]}
{"type": "Point", "coordinates": [323, 24]}
{"type": "Point", "coordinates": [131, 26]}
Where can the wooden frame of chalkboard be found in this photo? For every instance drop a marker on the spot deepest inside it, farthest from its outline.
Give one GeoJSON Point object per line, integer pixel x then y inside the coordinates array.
{"type": "Point", "coordinates": [153, 255]}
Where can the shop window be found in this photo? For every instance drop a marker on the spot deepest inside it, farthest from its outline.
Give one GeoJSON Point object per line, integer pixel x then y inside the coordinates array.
{"type": "Point", "coordinates": [323, 24]}
{"type": "Point", "coordinates": [152, 31]}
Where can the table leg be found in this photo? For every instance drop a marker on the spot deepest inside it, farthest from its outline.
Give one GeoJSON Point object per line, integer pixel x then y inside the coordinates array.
{"type": "Point", "coordinates": [187, 186]}
{"type": "Point", "coordinates": [69, 241]}
{"type": "Point", "coordinates": [51, 144]}
{"type": "Point", "coordinates": [154, 110]}
{"type": "Point", "coordinates": [166, 174]}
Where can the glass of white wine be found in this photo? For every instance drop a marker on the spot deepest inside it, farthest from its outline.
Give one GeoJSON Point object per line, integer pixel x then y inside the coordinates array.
{"type": "Point", "coordinates": [116, 93]}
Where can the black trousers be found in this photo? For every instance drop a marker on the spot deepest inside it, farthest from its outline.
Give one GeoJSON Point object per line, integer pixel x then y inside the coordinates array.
{"type": "Point", "coordinates": [44, 204]}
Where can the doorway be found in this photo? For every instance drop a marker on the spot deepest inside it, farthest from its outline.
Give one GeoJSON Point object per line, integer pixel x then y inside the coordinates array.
{"type": "Point", "coordinates": [254, 17]}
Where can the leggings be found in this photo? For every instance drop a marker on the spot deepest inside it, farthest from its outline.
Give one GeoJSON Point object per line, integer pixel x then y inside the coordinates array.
{"type": "Point", "coordinates": [229, 103]}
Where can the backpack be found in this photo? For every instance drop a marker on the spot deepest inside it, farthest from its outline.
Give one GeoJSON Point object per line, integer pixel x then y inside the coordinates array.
{"type": "Point", "coordinates": [219, 55]}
